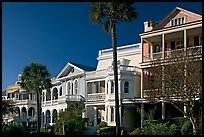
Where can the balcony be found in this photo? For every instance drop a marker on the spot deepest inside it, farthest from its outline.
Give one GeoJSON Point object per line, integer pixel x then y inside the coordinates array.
{"type": "Point", "coordinates": [122, 68]}
{"type": "Point", "coordinates": [96, 97]}
{"type": "Point", "coordinates": [196, 50]}
{"type": "Point", "coordinates": [26, 101]}
{"type": "Point", "coordinates": [74, 98]}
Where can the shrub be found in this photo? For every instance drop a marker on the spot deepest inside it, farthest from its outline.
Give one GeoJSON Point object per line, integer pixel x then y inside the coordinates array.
{"type": "Point", "coordinates": [186, 129]}
{"type": "Point", "coordinates": [160, 129]}
{"type": "Point", "coordinates": [137, 131]}
{"type": "Point", "coordinates": [173, 129]}
{"type": "Point", "coordinates": [15, 128]}
{"type": "Point", "coordinates": [103, 124]}
{"type": "Point", "coordinates": [179, 121]}
{"type": "Point", "coordinates": [110, 130]}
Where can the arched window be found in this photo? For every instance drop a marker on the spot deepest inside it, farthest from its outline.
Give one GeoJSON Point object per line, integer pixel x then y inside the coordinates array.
{"type": "Point", "coordinates": [68, 88]}
{"type": "Point", "coordinates": [126, 87]}
{"type": "Point", "coordinates": [55, 94]}
{"type": "Point", "coordinates": [112, 87]}
{"type": "Point", "coordinates": [60, 93]}
{"type": "Point", "coordinates": [112, 114]}
{"type": "Point", "coordinates": [76, 87]}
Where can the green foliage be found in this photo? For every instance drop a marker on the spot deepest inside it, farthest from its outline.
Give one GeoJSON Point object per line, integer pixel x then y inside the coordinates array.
{"type": "Point", "coordinates": [8, 107]}
{"type": "Point", "coordinates": [187, 128]}
{"type": "Point", "coordinates": [110, 130]}
{"type": "Point", "coordinates": [72, 120]}
{"type": "Point", "coordinates": [11, 129]}
{"type": "Point", "coordinates": [149, 114]}
{"type": "Point", "coordinates": [154, 128]}
{"type": "Point", "coordinates": [137, 131]}
{"type": "Point", "coordinates": [179, 121]}
{"type": "Point", "coordinates": [103, 124]}
{"type": "Point", "coordinates": [173, 129]}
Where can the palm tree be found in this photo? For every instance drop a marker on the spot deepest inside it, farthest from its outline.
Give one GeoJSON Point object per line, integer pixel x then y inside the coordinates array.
{"type": "Point", "coordinates": [112, 13]}
{"type": "Point", "coordinates": [36, 78]}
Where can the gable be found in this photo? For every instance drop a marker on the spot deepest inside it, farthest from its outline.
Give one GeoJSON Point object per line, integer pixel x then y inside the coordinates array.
{"type": "Point", "coordinates": [180, 14]}
{"type": "Point", "coordinates": [69, 69]}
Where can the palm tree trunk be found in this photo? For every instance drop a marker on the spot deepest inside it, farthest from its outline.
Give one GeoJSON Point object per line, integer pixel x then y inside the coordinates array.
{"type": "Point", "coordinates": [113, 33]}
{"type": "Point", "coordinates": [38, 112]}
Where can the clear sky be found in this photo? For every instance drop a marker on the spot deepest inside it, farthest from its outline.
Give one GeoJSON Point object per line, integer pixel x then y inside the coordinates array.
{"type": "Point", "coordinates": [54, 33]}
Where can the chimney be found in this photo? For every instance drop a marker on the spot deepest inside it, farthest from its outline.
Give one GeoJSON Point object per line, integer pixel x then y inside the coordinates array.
{"type": "Point", "coordinates": [146, 26]}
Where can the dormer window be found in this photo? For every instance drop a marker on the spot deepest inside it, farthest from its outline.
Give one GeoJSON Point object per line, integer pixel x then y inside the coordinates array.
{"type": "Point", "coordinates": [177, 21]}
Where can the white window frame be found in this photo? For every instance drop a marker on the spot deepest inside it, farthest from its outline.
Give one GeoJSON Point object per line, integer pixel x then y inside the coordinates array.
{"type": "Point", "coordinates": [126, 87]}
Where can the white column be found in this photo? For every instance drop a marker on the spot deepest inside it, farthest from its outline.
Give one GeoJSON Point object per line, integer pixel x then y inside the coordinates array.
{"type": "Point", "coordinates": [184, 40]}
{"type": "Point", "coordinates": [163, 47]}
{"type": "Point", "coordinates": [142, 114]}
{"type": "Point", "coordinates": [142, 77]}
{"type": "Point", "coordinates": [29, 96]}
{"type": "Point", "coordinates": [109, 114]}
{"type": "Point", "coordinates": [95, 116]}
{"type": "Point", "coordinates": [51, 116]}
{"type": "Point", "coordinates": [142, 50]}
{"type": "Point", "coordinates": [151, 51]}
{"type": "Point", "coordinates": [120, 100]}
{"type": "Point", "coordinates": [163, 110]}
{"type": "Point", "coordinates": [51, 92]}
{"type": "Point", "coordinates": [184, 108]}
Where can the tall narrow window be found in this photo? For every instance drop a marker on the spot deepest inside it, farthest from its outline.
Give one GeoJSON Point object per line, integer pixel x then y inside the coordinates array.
{"type": "Point", "coordinates": [68, 88]}
{"type": "Point", "coordinates": [126, 87]}
{"type": "Point", "coordinates": [60, 93]}
{"type": "Point", "coordinates": [112, 114]}
{"type": "Point", "coordinates": [112, 87]}
{"type": "Point", "coordinates": [107, 87]}
{"type": "Point", "coordinates": [76, 87]}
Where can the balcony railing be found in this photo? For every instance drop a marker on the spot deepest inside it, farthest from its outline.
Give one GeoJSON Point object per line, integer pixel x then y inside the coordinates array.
{"type": "Point", "coordinates": [26, 101]}
{"type": "Point", "coordinates": [195, 50]}
{"type": "Point", "coordinates": [153, 56]}
{"type": "Point", "coordinates": [122, 68]}
{"type": "Point", "coordinates": [74, 98]}
{"type": "Point", "coordinates": [96, 97]}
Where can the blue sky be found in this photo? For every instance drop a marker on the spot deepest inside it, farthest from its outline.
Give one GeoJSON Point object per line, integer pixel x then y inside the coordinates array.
{"type": "Point", "coordinates": [53, 33]}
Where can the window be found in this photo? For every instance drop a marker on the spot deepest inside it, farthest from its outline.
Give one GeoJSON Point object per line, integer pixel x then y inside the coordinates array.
{"type": "Point", "coordinates": [112, 114]}
{"type": "Point", "coordinates": [177, 21]}
{"type": "Point", "coordinates": [60, 93]}
{"type": "Point", "coordinates": [76, 87]}
{"type": "Point", "coordinates": [112, 87]}
{"type": "Point", "coordinates": [106, 114]}
{"type": "Point", "coordinates": [107, 87]}
{"type": "Point", "coordinates": [157, 48]}
{"type": "Point", "coordinates": [197, 40]}
{"type": "Point", "coordinates": [126, 87]}
{"type": "Point", "coordinates": [68, 88]}
{"type": "Point", "coordinates": [179, 44]}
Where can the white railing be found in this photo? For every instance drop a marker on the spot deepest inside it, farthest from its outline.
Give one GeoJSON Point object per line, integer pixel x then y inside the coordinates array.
{"type": "Point", "coordinates": [122, 68]}
{"type": "Point", "coordinates": [27, 101]}
{"type": "Point", "coordinates": [153, 56]}
{"type": "Point", "coordinates": [156, 91]}
{"type": "Point", "coordinates": [174, 53]}
{"type": "Point", "coordinates": [195, 50]}
{"type": "Point", "coordinates": [74, 98]}
{"type": "Point", "coordinates": [96, 97]}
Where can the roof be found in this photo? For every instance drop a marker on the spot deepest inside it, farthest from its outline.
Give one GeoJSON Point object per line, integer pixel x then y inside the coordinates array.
{"type": "Point", "coordinates": [84, 67]}
{"type": "Point", "coordinates": [12, 88]}
{"type": "Point", "coordinates": [159, 24]}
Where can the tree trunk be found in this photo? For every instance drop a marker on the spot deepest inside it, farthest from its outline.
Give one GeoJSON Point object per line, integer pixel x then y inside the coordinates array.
{"type": "Point", "coordinates": [38, 113]}
{"type": "Point", "coordinates": [113, 33]}
{"type": "Point", "coordinates": [194, 124]}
